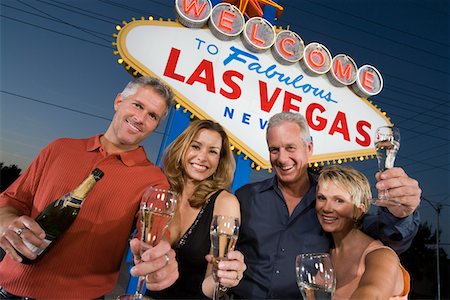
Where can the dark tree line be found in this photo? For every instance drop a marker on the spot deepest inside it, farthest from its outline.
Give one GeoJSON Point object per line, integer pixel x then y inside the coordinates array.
{"type": "Point", "coordinates": [8, 175]}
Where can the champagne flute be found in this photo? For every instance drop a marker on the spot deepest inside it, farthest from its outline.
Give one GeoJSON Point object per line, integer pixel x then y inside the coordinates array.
{"type": "Point", "coordinates": [224, 233]}
{"type": "Point", "coordinates": [157, 209]}
{"type": "Point", "coordinates": [387, 144]}
{"type": "Point", "coordinates": [315, 276]}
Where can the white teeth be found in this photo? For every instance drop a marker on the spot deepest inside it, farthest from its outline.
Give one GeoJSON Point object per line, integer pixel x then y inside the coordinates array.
{"type": "Point", "coordinates": [198, 167]}
{"type": "Point", "coordinates": [284, 168]}
{"type": "Point", "coordinates": [329, 218]}
{"type": "Point", "coordinates": [133, 127]}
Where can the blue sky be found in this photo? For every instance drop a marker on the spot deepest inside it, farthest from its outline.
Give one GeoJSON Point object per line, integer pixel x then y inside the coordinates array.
{"type": "Point", "coordinates": [59, 76]}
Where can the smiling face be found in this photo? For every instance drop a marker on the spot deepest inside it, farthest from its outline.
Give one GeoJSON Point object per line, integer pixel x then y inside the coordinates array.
{"type": "Point", "coordinates": [334, 207]}
{"type": "Point", "coordinates": [288, 153]}
{"type": "Point", "coordinates": [202, 155]}
{"type": "Point", "coordinates": [136, 117]}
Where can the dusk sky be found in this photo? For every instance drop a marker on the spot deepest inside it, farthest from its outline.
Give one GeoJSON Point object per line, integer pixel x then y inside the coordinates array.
{"type": "Point", "coordinates": [59, 75]}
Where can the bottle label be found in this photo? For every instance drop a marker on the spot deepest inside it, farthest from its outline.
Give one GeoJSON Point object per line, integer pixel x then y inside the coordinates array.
{"type": "Point", "coordinates": [76, 203]}
{"type": "Point", "coordinates": [69, 200]}
{"type": "Point", "coordinates": [35, 249]}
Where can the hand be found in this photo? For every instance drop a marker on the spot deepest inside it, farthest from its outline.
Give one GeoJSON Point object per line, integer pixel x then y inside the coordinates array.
{"type": "Point", "coordinates": [20, 229]}
{"type": "Point", "coordinates": [230, 271]}
{"type": "Point", "coordinates": [401, 188]}
{"type": "Point", "coordinates": [157, 264]}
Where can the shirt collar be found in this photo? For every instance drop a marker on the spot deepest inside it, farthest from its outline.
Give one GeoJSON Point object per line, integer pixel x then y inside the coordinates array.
{"type": "Point", "coordinates": [129, 158]}
{"type": "Point", "coordinates": [93, 143]}
{"type": "Point", "coordinates": [268, 184]}
{"type": "Point", "coordinates": [272, 183]}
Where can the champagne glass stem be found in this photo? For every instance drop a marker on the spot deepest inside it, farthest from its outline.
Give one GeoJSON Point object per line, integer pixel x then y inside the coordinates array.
{"type": "Point", "coordinates": [383, 195]}
{"type": "Point", "coordinates": [216, 291]}
{"type": "Point", "coordinates": [140, 287]}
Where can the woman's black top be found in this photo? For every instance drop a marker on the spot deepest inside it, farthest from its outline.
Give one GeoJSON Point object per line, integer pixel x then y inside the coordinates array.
{"type": "Point", "coordinates": [191, 250]}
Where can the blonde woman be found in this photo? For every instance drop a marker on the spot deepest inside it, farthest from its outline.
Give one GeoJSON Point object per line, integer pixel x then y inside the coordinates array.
{"type": "Point", "coordinates": [200, 167]}
{"type": "Point", "coordinates": [365, 268]}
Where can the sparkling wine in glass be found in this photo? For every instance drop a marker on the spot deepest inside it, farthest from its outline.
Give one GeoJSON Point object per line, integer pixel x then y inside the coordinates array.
{"type": "Point", "coordinates": [315, 276]}
{"type": "Point", "coordinates": [387, 144]}
{"type": "Point", "coordinates": [224, 233]}
{"type": "Point", "coordinates": [156, 211]}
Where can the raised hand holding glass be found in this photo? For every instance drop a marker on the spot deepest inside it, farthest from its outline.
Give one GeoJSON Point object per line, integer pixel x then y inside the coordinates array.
{"type": "Point", "coordinates": [156, 211]}
{"type": "Point", "coordinates": [224, 233]}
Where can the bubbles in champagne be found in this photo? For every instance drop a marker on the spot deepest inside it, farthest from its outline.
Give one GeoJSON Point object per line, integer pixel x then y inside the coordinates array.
{"type": "Point", "coordinates": [315, 292]}
{"type": "Point", "coordinates": [221, 244]}
{"type": "Point", "coordinates": [153, 225]}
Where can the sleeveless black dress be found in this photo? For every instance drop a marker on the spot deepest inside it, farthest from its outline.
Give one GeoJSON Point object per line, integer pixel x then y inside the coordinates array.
{"type": "Point", "coordinates": [191, 250]}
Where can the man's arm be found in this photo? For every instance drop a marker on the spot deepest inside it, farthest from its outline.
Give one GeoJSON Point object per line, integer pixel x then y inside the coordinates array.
{"type": "Point", "coordinates": [15, 207]}
{"type": "Point", "coordinates": [402, 189]}
{"type": "Point", "coordinates": [14, 229]}
{"type": "Point", "coordinates": [397, 233]}
{"type": "Point", "coordinates": [397, 223]}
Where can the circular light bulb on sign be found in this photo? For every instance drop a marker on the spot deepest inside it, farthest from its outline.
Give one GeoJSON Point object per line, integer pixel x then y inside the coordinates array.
{"type": "Point", "coordinates": [288, 47]}
{"type": "Point", "coordinates": [316, 59]}
{"type": "Point", "coordinates": [368, 81]}
{"type": "Point", "coordinates": [193, 14]}
{"type": "Point", "coordinates": [343, 70]}
{"type": "Point", "coordinates": [258, 35]}
{"type": "Point", "coordinates": [226, 22]}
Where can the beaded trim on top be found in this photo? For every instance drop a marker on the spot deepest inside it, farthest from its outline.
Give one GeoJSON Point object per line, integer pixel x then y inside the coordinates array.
{"type": "Point", "coordinates": [183, 239]}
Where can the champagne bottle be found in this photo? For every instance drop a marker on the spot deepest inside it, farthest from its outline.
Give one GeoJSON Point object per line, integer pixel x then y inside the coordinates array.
{"type": "Point", "coordinates": [57, 217]}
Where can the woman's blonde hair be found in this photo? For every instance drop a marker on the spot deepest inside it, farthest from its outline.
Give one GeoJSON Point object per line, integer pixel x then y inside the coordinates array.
{"type": "Point", "coordinates": [350, 180]}
{"type": "Point", "coordinates": [174, 169]}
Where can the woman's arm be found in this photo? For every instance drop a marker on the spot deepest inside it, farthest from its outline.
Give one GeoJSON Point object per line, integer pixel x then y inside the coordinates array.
{"type": "Point", "coordinates": [230, 272]}
{"type": "Point", "coordinates": [382, 277]}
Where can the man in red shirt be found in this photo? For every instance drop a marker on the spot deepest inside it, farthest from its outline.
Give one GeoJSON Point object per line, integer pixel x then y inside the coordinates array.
{"type": "Point", "coordinates": [85, 261]}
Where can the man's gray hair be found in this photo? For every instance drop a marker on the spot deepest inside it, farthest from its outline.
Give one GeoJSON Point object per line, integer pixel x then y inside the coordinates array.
{"type": "Point", "coordinates": [296, 118]}
{"type": "Point", "coordinates": [157, 85]}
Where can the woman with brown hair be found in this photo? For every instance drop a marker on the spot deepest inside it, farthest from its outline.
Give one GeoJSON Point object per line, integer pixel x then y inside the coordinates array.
{"type": "Point", "coordinates": [199, 165]}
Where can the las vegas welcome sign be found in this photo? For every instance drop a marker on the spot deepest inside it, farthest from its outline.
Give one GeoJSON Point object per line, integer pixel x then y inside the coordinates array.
{"type": "Point", "coordinates": [239, 73]}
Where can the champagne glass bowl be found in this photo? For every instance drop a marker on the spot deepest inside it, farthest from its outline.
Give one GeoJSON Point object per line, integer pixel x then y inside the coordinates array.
{"type": "Point", "coordinates": [157, 209]}
{"type": "Point", "coordinates": [387, 144]}
{"type": "Point", "coordinates": [315, 276]}
{"type": "Point", "coordinates": [224, 233]}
